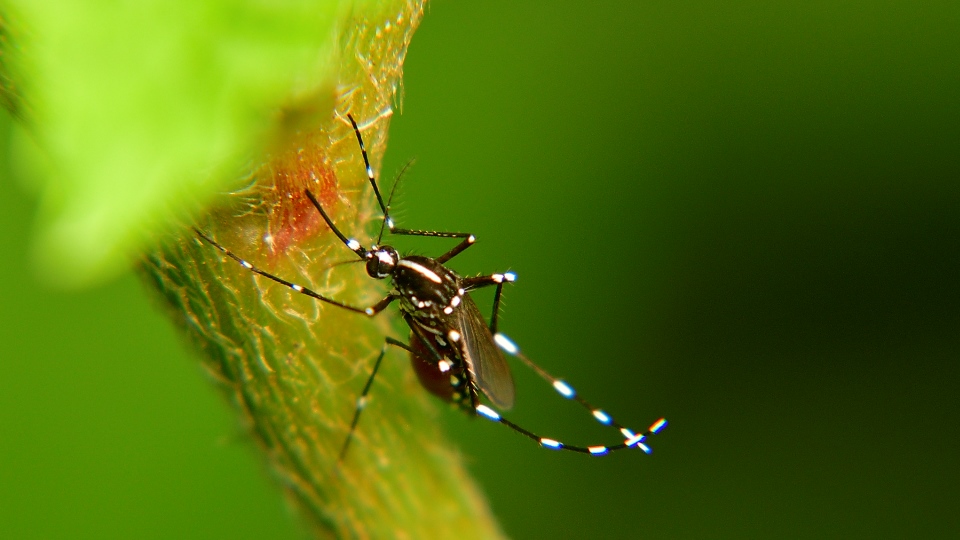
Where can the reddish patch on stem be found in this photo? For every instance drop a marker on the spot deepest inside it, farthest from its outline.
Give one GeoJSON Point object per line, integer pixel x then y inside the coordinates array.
{"type": "Point", "coordinates": [293, 218]}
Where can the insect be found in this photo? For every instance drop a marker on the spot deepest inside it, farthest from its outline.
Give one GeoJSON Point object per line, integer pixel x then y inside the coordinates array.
{"type": "Point", "coordinates": [454, 352]}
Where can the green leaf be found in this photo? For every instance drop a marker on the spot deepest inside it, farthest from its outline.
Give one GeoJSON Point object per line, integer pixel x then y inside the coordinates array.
{"type": "Point", "coordinates": [140, 111]}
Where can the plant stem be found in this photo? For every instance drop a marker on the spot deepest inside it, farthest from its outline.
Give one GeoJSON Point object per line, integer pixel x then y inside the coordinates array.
{"type": "Point", "coordinates": [293, 367]}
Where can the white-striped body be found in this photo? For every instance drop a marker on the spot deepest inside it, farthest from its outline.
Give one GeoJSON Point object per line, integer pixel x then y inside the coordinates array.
{"type": "Point", "coordinates": [428, 291]}
{"type": "Point", "coordinates": [430, 298]}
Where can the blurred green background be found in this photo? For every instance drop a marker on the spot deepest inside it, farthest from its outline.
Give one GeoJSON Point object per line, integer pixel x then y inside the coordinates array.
{"type": "Point", "coordinates": [743, 217]}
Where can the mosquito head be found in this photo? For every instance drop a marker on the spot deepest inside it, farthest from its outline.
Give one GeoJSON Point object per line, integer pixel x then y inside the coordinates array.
{"type": "Point", "coordinates": [381, 261]}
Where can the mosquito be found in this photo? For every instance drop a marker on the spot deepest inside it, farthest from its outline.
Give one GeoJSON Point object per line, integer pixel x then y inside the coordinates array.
{"type": "Point", "coordinates": [456, 355]}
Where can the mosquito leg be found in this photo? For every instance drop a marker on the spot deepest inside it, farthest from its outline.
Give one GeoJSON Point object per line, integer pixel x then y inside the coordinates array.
{"type": "Point", "coordinates": [351, 243]}
{"type": "Point", "coordinates": [355, 246]}
{"type": "Point", "coordinates": [552, 444]}
{"type": "Point", "coordinates": [468, 240]}
{"type": "Point", "coordinates": [568, 392]}
{"type": "Point", "coordinates": [559, 385]}
{"type": "Point", "coordinates": [366, 162]}
{"type": "Point", "coordinates": [370, 311]}
{"type": "Point", "coordinates": [485, 281]}
{"type": "Point", "coordinates": [362, 400]}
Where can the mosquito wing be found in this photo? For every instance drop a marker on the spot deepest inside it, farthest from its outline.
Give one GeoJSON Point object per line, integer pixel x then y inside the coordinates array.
{"type": "Point", "coordinates": [483, 358]}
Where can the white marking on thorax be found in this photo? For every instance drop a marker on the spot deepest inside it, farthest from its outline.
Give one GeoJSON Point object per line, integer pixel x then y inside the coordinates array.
{"type": "Point", "coordinates": [454, 302]}
{"type": "Point", "coordinates": [420, 269]}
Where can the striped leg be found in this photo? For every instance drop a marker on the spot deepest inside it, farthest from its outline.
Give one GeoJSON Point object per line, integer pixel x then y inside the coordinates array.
{"type": "Point", "coordinates": [468, 239]}
{"type": "Point", "coordinates": [370, 311]}
{"type": "Point", "coordinates": [362, 400]}
{"type": "Point", "coordinates": [366, 163]}
{"type": "Point", "coordinates": [632, 440]}
{"type": "Point", "coordinates": [630, 437]}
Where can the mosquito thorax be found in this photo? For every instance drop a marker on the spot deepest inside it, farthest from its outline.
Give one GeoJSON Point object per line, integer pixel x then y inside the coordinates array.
{"type": "Point", "coordinates": [382, 261]}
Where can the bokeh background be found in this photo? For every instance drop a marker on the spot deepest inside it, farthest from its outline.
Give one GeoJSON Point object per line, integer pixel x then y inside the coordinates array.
{"type": "Point", "coordinates": [742, 216]}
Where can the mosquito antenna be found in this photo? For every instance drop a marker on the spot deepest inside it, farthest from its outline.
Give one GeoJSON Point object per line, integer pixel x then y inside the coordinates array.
{"type": "Point", "coordinates": [387, 221]}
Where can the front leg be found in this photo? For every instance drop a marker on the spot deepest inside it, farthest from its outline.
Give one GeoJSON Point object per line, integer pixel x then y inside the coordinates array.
{"type": "Point", "coordinates": [468, 239]}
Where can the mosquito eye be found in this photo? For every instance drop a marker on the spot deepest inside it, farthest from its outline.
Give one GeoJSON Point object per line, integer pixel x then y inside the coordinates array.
{"type": "Point", "coordinates": [373, 268]}
{"type": "Point", "coordinates": [381, 264]}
